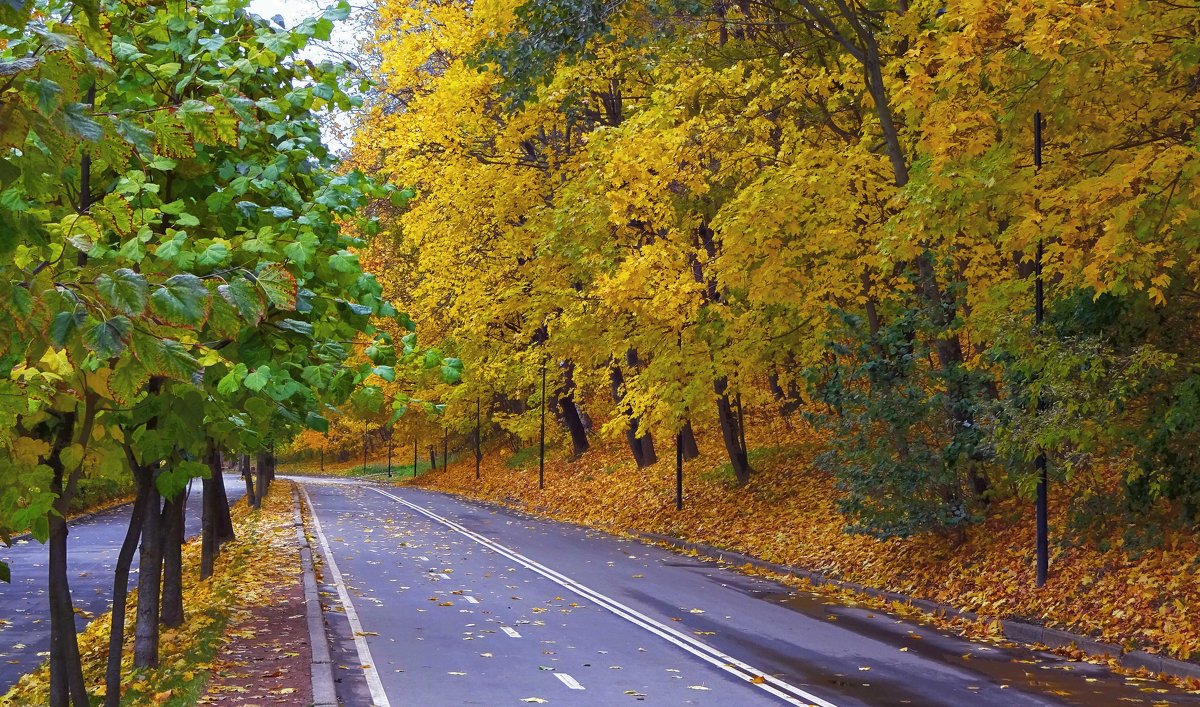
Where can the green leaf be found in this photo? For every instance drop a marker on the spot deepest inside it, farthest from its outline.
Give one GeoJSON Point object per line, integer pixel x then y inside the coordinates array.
{"type": "Point", "coordinates": [451, 375]}
{"type": "Point", "coordinates": [124, 289]}
{"type": "Point", "coordinates": [214, 255]}
{"type": "Point", "coordinates": [64, 325]}
{"type": "Point", "coordinates": [77, 119]}
{"type": "Point", "coordinates": [279, 286]}
{"type": "Point", "coordinates": [258, 380]}
{"type": "Point", "coordinates": [182, 299]}
{"type": "Point", "coordinates": [232, 381]}
{"type": "Point", "coordinates": [313, 421]}
{"type": "Point", "coordinates": [297, 326]}
{"type": "Point", "coordinates": [175, 361]}
{"type": "Point", "coordinates": [128, 378]}
{"type": "Point", "coordinates": [107, 338]}
{"type": "Point", "coordinates": [245, 297]}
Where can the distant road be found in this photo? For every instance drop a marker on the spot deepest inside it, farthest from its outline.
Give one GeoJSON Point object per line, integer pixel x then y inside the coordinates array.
{"type": "Point", "coordinates": [92, 551]}
{"type": "Point", "coordinates": [448, 602]}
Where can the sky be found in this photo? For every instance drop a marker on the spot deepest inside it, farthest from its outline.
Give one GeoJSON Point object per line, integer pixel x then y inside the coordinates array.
{"type": "Point", "coordinates": [295, 11]}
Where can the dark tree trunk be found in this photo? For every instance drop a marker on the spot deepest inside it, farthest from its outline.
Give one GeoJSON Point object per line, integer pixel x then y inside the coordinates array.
{"type": "Point", "coordinates": [569, 411]}
{"type": "Point", "coordinates": [263, 476]}
{"type": "Point", "coordinates": [150, 561]}
{"type": "Point", "coordinates": [208, 515]}
{"type": "Point", "coordinates": [171, 604]}
{"type": "Point", "coordinates": [144, 478]}
{"type": "Point", "coordinates": [66, 671]}
{"type": "Point", "coordinates": [642, 446]}
{"type": "Point", "coordinates": [221, 515]}
{"type": "Point", "coordinates": [251, 499]}
{"type": "Point", "coordinates": [789, 399]}
{"type": "Point", "coordinates": [690, 449]}
{"type": "Point", "coordinates": [731, 432]}
{"type": "Point", "coordinates": [432, 458]}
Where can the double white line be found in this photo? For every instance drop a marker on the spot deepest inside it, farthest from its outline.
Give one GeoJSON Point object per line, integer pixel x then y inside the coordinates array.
{"type": "Point", "coordinates": [785, 691]}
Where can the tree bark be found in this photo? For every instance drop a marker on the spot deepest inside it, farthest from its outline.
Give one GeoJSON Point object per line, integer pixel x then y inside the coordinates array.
{"type": "Point", "coordinates": [690, 449]}
{"type": "Point", "coordinates": [144, 478]}
{"type": "Point", "coordinates": [221, 507]}
{"type": "Point", "coordinates": [251, 499]}
{"type": "Point", "coordinates": [66, 671]}
{"type": "Point", "coordinates": [145, 640]}
{"type": "Point", "coordinates": [171, 602]}
{"type": "Point", "coordinates": [208, 520]}
{"type": "Point", "coordinates": [642, 446]}
{"type": "Point", "coordinates": [570, 411]}
{"type": "Point", "coordinates": [261, 485]}
{"type": "Point", "coordinates": [731, 432]}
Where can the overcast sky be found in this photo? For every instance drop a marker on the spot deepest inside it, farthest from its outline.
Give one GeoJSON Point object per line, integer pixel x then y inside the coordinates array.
{"type": "Point", "coordinates": [295, 11]}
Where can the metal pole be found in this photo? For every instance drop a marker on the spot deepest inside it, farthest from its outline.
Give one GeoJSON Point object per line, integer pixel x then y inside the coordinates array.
{"type": "Point", "coordinates": [679, 470]}
{"type": "Point", "coordinates": [1039, 314]}
{"type": "Point", "coordinates": [391, 434]}
{"type": "Point", "coordinates": [477, 434]}
{"type": "Point", "coordinates": [542, 439]}
{"type": "Point", "coordinates": [364, 449]}
{"type": "Point", "coordinates": [414, 456]}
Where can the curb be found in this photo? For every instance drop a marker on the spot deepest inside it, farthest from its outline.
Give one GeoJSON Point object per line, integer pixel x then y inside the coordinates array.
{"type": "Point", "coordinates": [1018, 631]}
{"type": "Point", "coordinates": [323, 692]}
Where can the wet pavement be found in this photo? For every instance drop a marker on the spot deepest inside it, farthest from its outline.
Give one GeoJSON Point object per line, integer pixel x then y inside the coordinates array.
{"type": "Point", "coordinates": [457, 603]}
{"type": "Point", "coordinates": [92, 548]}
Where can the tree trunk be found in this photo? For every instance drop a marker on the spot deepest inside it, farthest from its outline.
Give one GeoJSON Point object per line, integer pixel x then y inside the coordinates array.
{"type": "Point", "coordinates": [261, 485]}
{"type": "Point", "coordinates": [150, 561]}
{"type": "Point", "coordinates": [208, 520]}
{"type": "Point", "coordinates": [690, 449]}
{"type": "Point", "coordinates": [144, 477]}
{"type": "Point", "coordinates": [66, 671]}
{"type": "Point", "coordinates": [171, 604]}
{"type": "Point", "coordinates": [731, 432]}
{"type": "Point", "coordinates": [251, 499]}
{"type": "Point", "coordinates": [221, 507]}
{"type": "Point", "coordinates": [641, 446]}
{"type": "Point", "coordinates": [570, 411]}
{"type": "Point", "coordinates": [432, 458]}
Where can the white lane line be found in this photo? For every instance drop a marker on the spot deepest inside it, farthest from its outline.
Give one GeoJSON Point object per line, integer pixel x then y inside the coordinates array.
{"type": "Point", "coordinates": [785, 691]}
{"type": "Point", "coordinates": [512, 632]}
{"type": "Point", "coordinates": [378, 696]}
{"type": "Point", "coordinates": [569, 681]}
{"type": "Point", "coordinates": [470, 599]}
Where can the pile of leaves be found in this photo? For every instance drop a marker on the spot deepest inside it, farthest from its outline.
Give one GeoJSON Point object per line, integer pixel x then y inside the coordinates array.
{"type": "Point", "coordinates": [257, 568]}
{"type": "Point", "coordinates": [1138, 597]}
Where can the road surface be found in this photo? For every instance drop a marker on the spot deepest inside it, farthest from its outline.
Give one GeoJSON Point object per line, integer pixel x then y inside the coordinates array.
{"type": "Point", "coordinates": [92, 551]}
{"type": "Point", "coordinates": [434, 600]}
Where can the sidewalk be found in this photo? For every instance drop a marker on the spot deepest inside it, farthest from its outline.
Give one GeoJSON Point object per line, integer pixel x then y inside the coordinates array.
{"type": "Point", "coordinates": [269, 656]}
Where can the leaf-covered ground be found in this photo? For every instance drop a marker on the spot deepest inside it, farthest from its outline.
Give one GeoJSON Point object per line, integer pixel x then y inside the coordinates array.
{"type": "Point", "coordinates": [255, 570]}
{"type": "Point", "coordinates": [1147, 598]}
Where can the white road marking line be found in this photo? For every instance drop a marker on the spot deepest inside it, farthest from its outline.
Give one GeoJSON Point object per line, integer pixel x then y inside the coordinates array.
{"type": "Point", "coordinates": [378, 696]}
{"type": "Point", "coordinates": [510, 631]}
{"type": "Point", "coordinates": [787, 692]}
{"type": "Point", "coordinates": [569, 681]}
{"type": "Point", "coordinates": [470, 599]}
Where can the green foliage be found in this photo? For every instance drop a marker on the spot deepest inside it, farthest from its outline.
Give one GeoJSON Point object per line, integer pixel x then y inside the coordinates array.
{"type": "Point", "coordinates": [901, 465]}
{"type": "Point", "coordinates": [180, 297]}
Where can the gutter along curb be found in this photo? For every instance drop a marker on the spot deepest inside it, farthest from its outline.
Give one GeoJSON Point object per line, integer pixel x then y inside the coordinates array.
{"type": "Point", "coordinates": [324, 694]}
{"type": "Point", "coordinates": [1018, 631]}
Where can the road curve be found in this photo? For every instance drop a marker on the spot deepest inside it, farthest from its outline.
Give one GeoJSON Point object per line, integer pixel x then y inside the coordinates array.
{"type": "Point", "coordinates": [434, 600]}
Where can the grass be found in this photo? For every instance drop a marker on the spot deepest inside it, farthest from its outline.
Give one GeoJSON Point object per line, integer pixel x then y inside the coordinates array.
{"type": "Point", "coordinates": [723, 474]}
{"type": "Point", "coordinates": [523, 458]}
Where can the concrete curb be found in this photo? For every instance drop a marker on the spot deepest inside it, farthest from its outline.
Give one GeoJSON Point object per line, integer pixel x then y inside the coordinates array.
{"type": "Point", "coordinates": [323, 692]}
{"type": "Point", "coordinates": [1018, 631]}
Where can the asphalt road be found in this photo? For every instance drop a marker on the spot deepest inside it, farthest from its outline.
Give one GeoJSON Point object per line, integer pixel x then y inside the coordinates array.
{"type": "Point", "coordinates": [433, 600]}
{"type": "Point", "coordinates": [92, 549]}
